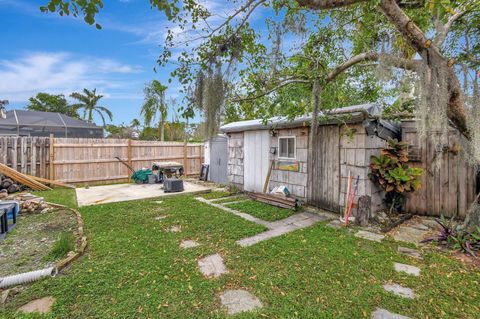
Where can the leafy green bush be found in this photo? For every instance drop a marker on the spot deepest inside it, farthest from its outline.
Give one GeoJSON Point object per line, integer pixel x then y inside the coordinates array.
{"type": "Point", "coordinates": [393, 174]}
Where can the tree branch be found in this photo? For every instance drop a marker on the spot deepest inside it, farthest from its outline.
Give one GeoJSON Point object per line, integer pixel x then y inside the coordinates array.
{"type": "Point", "coordinates": [444, 29]}
{"type": "Point", "coordinates": [362, 57]}
{"type": "Point", "coordinates": [275, 88]}
{"type": "Point", "coordinates": [327, 4]}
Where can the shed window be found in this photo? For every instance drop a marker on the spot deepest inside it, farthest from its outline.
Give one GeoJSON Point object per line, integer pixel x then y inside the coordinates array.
{"type": "Point", "coordinates": [286, 147]}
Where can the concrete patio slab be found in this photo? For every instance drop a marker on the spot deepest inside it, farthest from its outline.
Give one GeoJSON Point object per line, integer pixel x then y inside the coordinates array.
{"type": "Point", "coordinates": [385, 314]}
{"type": "Point", "coordinates": [237, 301]}
{"type": "Point", "coordinates": [212, 266]}
{"type": "Point", "coordinates": [95, 195]}
{"type": "Point", "coordinates": [411, 270]}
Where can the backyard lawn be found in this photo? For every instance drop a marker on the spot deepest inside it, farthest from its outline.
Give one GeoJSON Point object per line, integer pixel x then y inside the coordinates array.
{"type": "Point", "coordinates": [134, 268]}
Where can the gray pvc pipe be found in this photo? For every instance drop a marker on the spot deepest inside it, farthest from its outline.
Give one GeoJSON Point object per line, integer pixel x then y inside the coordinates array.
{"type": "Point", "coordinates": [26, 277]}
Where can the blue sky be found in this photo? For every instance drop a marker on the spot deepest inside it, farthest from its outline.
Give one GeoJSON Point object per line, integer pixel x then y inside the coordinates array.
{"type": "Point", "coordinates": [48, 53]}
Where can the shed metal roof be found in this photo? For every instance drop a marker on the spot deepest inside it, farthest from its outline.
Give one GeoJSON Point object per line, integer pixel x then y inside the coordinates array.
{"type": "Point", "coordinates": [349, 114]}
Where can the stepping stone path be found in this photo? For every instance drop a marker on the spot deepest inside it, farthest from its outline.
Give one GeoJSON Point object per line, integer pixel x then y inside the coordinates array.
{"type": "Point", "coordinates": [398, 290]}
{"type": "Point", "coordinates": [369, 235]}
{"type": "Point", "coordinates": [185, 244]}
{"type": "Point", "coordinates": [385, 314]}
{"type": "Point", "coordinates": [175, 229]}
{"type": "Point", "coordinates": [277, 228]}
{"type": "Point", "coordinates": [212, 266]}
{"type": "Point", "coordinates": [237, 301]}
{"type": "Point", "coordinates": [335, 224]}
{"type": "Point", "coordinates": [411, 270]}
{"type": "Point", "coordinates": [281, 227]}
{"type": "Point", "coordinates": [42, 305]}
{"type": "Point", "coordinates": [410, 252]}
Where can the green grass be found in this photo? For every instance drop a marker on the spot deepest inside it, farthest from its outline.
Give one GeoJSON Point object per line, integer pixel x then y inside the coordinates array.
{"type": "Point", "coordinates": [230, 199]}
{"type": "Point", "coordinates": [62, 196]}
{"type": "Point", "coordinates": [262, 210]}
{"type": "Point", "coordinates": [134, 269]}
{"type": "Point", "coordinates": [216, 194]}
{"type": "Point", "coordinates": [64, 244]}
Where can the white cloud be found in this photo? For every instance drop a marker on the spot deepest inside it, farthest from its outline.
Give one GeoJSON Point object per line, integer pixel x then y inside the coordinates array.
{"type": "Point", "coordinates": [58, 72]}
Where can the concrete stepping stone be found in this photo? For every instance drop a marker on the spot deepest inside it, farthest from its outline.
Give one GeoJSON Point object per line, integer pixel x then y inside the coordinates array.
{"type": "Point", "coordinates": [398, 290]}
{"type": "Point", "coordinates": [212, 266]}
{"type": "Point", "coordinates": [237, 301]}
{"type": "Point", "coordinates": [369, 235]}
{"type": "Point", "coordinates": [281, 227]}
{"type": "Point", "coordinates": [158, 201]}
{"type": "Point", "coordinates": [335, 224]}
{"type": "Point", "coordinates": [42, 305]}
{"type": "Point", "coordinates": [409, 234]}
{"type": "Point", "coordinates": [411, 270]}
{"type": "Point", "coordinates": [160, 217]}
{"type": "Point", "coordinates": [380, 313]}
{"type": "Point", "coordinates": [185, 244]}
{"type": "Point", "coordinates": [410, 252]}
{"type": "Point", "coordinates": [175, 229]}
{"type": "Point", "coordinates": [235, 212]}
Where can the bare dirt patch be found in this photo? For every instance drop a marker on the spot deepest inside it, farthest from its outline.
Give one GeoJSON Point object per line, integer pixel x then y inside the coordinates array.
{"type": "Point", "coordinates": [28, 246]}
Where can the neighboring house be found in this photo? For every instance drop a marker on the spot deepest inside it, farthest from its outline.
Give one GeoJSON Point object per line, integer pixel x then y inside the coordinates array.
{"type": "Point", "coordinates": [36, 123]}
{"type": "Point", "coordinates": [348, 137]}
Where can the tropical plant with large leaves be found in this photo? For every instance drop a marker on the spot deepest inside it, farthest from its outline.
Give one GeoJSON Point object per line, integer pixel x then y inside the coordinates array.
{"type": "Point", "coordinates": [155, 103]}
{"type": "Point", "coordinates": [88, 101]}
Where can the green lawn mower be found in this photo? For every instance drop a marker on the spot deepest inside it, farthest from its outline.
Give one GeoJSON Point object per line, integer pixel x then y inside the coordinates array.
{"type": "Point", "coordinates": [139, 177]}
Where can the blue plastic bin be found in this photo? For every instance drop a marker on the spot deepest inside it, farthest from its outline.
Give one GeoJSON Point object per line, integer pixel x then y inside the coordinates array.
{"type": "Point", "coordinates": [12, 207]}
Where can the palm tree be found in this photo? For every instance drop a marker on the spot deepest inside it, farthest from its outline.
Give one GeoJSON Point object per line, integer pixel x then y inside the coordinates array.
{"type": "Point", "coordinates": [88, 102]}
{"type": "Point", "coordinates": [155, 102]}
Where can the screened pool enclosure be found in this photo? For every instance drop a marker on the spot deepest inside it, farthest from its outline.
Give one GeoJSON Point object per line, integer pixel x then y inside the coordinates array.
{"type": "Point", "coordinates": [36, 123]}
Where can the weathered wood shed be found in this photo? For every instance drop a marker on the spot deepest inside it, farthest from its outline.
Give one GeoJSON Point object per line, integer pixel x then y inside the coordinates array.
{"type": "Point", "coordinates": [348, 137]}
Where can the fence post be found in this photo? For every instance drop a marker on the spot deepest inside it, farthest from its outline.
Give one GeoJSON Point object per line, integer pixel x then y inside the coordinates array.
{"type": "Point", "coordinates": [129, 157]}
{"type": "Point", "coordinates": [52, 158]}
{"type": "Point", "coordinates": [185, 158]}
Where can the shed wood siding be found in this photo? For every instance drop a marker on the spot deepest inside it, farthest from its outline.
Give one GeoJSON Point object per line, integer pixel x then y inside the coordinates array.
{"type": "Point", "coordinates": [235, 160]}
{"type": "Point", "coordinates": [447, 190]}
{"type": "Point", "coordinates": [355, 154]}
{"type": "Point", "coordinates": [296, 182]}
{"type": "Point", "coordinates": [325, 188]}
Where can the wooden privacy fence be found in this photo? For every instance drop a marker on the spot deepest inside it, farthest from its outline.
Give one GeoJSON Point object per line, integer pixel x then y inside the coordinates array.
{"type": "Point", "coordinates": [28, 155]}
{"type": "Point", "coordinates": [86, 160]}
{"type": "Point", "coordinates": [447, 189]}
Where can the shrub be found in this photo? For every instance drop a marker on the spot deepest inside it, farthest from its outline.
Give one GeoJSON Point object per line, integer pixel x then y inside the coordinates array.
{"type": "Point", "coordinates": [393, 174]}
{"type": "Point", "coordinates": [457, 237]}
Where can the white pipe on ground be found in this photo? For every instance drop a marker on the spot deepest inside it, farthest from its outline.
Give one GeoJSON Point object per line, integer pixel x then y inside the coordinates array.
{"type": "Point", "coordinates": [26, 277]}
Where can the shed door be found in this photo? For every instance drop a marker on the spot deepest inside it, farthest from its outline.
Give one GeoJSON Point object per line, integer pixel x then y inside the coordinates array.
{"type": "Point", "coordinates": [256, 153]}
{"type": "Point", "coordinates": [325, 189]}
{"type": "Point", "coordinates": [218, 160]}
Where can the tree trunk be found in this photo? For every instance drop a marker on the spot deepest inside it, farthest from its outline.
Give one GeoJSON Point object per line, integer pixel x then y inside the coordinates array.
{"type": "Point", "coordinates": [312, 149]}
{"type": "Point", "coordinates": [424, 47]}
{"type": "Point", "coordinates": [162, 129]}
